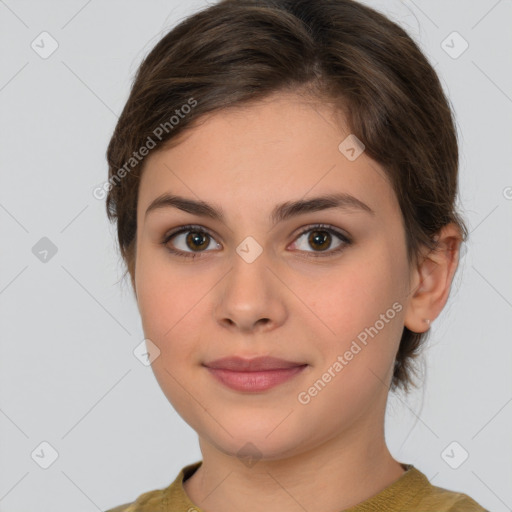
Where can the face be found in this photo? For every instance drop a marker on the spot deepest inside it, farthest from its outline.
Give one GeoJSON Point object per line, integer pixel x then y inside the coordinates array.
{"type": "Point", "coordinates": [325, 286]}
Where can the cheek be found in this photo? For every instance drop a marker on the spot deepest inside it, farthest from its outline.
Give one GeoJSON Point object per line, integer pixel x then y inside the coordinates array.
{"type": "Point", "coordinates": [163, 291]}
{"type": "Point", "coordinates": [169, 306]}
{"type": "Point", "coordinates": [362, 304]}
{"type": "Point", "coordinates": [161, 299]}
{"type": "Point", "coordinates": [352, 296]}
{"type": "Point", "coordinates": [173, 308]}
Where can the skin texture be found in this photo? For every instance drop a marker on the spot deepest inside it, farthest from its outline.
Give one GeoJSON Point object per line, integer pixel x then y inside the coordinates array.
{"type": "Point", "coordinates": [330, 453]}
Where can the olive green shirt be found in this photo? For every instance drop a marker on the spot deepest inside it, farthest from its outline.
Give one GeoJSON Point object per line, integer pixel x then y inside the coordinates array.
{"type": "Point", "coordinates": [412, 492]}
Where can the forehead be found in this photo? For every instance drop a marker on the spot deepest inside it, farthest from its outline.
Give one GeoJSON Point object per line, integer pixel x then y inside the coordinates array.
{"type": "Point", "coordinates": [254, 156]}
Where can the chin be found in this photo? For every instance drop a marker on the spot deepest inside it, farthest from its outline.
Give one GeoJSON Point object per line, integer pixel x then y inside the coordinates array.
{"type": "Point", "coordinates": [256, 443]}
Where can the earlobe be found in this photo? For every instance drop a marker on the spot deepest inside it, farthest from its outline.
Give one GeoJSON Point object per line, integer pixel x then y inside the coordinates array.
{"type": "Point", "coordinates": [432, 279]}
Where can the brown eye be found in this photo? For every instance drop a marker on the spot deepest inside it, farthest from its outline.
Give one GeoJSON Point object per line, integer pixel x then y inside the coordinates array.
{"type": "Point", "coordinates": [197, 240]}
{"type": "Point", "coordinates": [189, 241]}
{"type": "Point", "coordinates": [321, 238]}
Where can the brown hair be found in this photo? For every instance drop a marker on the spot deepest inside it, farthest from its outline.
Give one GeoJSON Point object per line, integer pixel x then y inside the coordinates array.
{"type": "Point", "coordinates": [239, 51]}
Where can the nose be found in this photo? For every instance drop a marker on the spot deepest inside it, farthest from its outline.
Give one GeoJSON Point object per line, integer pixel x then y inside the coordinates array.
{"type": "Point", "coordinates": [251, 298]}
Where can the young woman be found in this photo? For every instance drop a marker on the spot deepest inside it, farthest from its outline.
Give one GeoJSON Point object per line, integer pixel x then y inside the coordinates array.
{"type": "Point", "coordinates": [283, 177]}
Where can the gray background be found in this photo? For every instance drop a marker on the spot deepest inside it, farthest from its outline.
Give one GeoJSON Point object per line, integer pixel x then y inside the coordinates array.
{"type": "Point", "coordinates": [69, 326]}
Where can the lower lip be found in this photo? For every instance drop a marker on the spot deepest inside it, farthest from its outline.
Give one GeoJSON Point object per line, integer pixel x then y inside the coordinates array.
{"type": "Point", "coordinates": [255, 381]}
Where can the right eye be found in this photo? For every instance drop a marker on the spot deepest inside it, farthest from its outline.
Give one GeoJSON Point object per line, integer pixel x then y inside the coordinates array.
{"type": "Point", "coordinates": [191, 237]}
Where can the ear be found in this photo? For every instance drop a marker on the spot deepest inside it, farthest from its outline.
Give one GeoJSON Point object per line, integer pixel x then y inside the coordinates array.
{"type": "Point", "coordinates": [432, 278]}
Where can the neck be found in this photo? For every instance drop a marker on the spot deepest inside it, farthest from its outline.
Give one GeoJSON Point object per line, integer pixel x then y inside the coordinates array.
{"type": "Point", "coordinates": [338, 474]}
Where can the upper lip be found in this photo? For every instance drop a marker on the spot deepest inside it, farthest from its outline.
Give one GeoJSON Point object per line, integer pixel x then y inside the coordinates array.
{"type": "Point", "coordinates": [241, 364]}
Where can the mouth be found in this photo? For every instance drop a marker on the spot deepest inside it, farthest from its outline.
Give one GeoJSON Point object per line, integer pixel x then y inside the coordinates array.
{"type": "Point", "coordinates": [256, 364]}
{"type": "Point", "coordinates": [252, 375]}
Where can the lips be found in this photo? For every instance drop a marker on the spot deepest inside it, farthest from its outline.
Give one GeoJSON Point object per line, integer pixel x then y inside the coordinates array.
{"type": "Point", "coordinates": [257, 364]}
{"type": "Point", "coordinates": [253, 375]}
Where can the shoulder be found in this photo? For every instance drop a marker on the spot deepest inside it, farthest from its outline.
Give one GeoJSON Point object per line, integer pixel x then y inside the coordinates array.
{"type": "Point", "coordinates": [150, 501]}
{"type": "Point", "coordinates": [162, 500]}
{"type": "Point", "coordinates": [120, 508]}
{"type": "Point", "coordinates": [415, 493]}
{"type": "Point", "coordinates": [439, 499]}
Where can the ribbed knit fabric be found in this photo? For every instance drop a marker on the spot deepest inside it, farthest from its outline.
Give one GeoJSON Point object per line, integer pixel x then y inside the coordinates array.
{"type": "Point", "coordinates": [412, 492]}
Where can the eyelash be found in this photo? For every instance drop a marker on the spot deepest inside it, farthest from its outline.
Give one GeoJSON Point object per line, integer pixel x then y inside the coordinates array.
{"type": "Point", "coordinates": [314, 254]}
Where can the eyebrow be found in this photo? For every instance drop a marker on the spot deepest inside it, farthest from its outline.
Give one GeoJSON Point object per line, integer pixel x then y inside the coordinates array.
{"type": "Point", "coordinates": [280, 213]}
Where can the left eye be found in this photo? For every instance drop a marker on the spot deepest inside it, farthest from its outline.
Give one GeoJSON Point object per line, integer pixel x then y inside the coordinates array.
{"type": "Point", "coordinates": [321, 238]}
{"type": "Point", "coordinates": [198, 240]}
